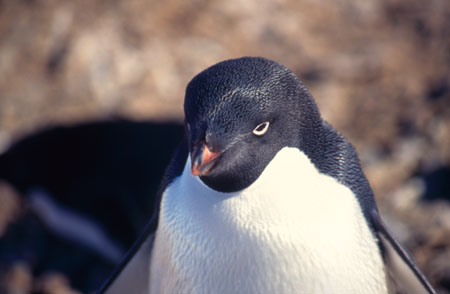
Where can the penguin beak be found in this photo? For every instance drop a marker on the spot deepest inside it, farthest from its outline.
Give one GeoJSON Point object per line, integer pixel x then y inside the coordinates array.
{"type": "Point", "coordinates": [203, 159]}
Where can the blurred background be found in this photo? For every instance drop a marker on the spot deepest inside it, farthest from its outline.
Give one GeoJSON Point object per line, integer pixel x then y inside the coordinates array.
{"type": "Point", "coordinates": [91, 96]}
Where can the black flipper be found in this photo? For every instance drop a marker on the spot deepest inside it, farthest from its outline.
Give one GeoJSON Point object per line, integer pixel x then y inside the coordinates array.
{"type": "Point", "coordinates": [399, 263]}
{"type": "Point", "coordinates": [133, 273]}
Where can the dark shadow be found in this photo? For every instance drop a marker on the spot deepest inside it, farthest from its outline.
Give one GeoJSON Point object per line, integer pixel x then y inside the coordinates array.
{"type": "Point", "coordinates": [106, 172]}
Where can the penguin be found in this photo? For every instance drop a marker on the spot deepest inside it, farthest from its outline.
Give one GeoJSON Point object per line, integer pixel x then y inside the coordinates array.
{"type": "Point", "coordinates": [263, 196]}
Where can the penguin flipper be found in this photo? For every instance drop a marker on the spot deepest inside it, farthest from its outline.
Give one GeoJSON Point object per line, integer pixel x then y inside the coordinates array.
{"type": "Point", "coordinates": [133, 273]}
{"type": "Point", "coordinates": [399, 262]}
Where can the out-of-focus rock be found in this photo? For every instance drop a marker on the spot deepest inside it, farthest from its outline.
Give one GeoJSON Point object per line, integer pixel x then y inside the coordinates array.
{"type": "Point", "coordinates": [424, 227]}
{"type": "Point", "coordinates": [55, 283]}
{"type": "Point", "coordinates": [18, 279]}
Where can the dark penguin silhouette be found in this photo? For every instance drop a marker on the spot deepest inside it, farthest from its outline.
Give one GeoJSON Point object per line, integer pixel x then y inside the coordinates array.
{"type": "Point", "coordinates": [263, 196]}
{"type": "Point", "coordinates": [90, 190]}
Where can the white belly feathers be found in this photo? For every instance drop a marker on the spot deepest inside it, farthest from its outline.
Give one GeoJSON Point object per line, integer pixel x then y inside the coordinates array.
{"type": "Point", "coordinates": [294, 230]}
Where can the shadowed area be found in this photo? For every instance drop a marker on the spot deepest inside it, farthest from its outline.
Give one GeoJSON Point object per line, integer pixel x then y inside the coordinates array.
{"type": "Point", "coordinates": [86, 188]}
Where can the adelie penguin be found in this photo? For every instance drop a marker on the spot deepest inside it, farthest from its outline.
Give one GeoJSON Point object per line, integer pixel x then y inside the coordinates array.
{"type": "Point", "coordinates": [263, 196]}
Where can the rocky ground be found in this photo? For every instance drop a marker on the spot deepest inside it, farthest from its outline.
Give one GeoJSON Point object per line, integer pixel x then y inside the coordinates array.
{"type": "Point", "coordinates": [379, 70]}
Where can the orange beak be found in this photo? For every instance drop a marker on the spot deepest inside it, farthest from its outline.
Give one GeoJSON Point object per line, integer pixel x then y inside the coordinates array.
{"type": "Point", "coordinates": [203, 159]}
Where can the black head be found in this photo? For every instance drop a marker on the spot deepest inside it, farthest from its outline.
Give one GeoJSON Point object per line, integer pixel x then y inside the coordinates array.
{"type": "Point", "coordinates": [239, 114]}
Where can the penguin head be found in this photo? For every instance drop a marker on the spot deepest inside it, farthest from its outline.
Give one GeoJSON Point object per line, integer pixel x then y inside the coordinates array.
{"type": "Point", "coordinates": [239, 113]}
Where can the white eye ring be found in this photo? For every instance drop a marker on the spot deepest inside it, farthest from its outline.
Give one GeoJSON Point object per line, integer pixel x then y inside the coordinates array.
{"type": "Point", "coordinates": [261, 129]}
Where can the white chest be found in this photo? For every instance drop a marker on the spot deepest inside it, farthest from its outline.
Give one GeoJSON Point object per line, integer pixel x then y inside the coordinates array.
{"type": "Point", "coordinates": [292, 231]}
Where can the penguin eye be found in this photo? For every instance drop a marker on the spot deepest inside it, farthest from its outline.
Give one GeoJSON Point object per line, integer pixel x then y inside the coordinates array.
{"type": "Point", "coordinates": [261, 129]}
